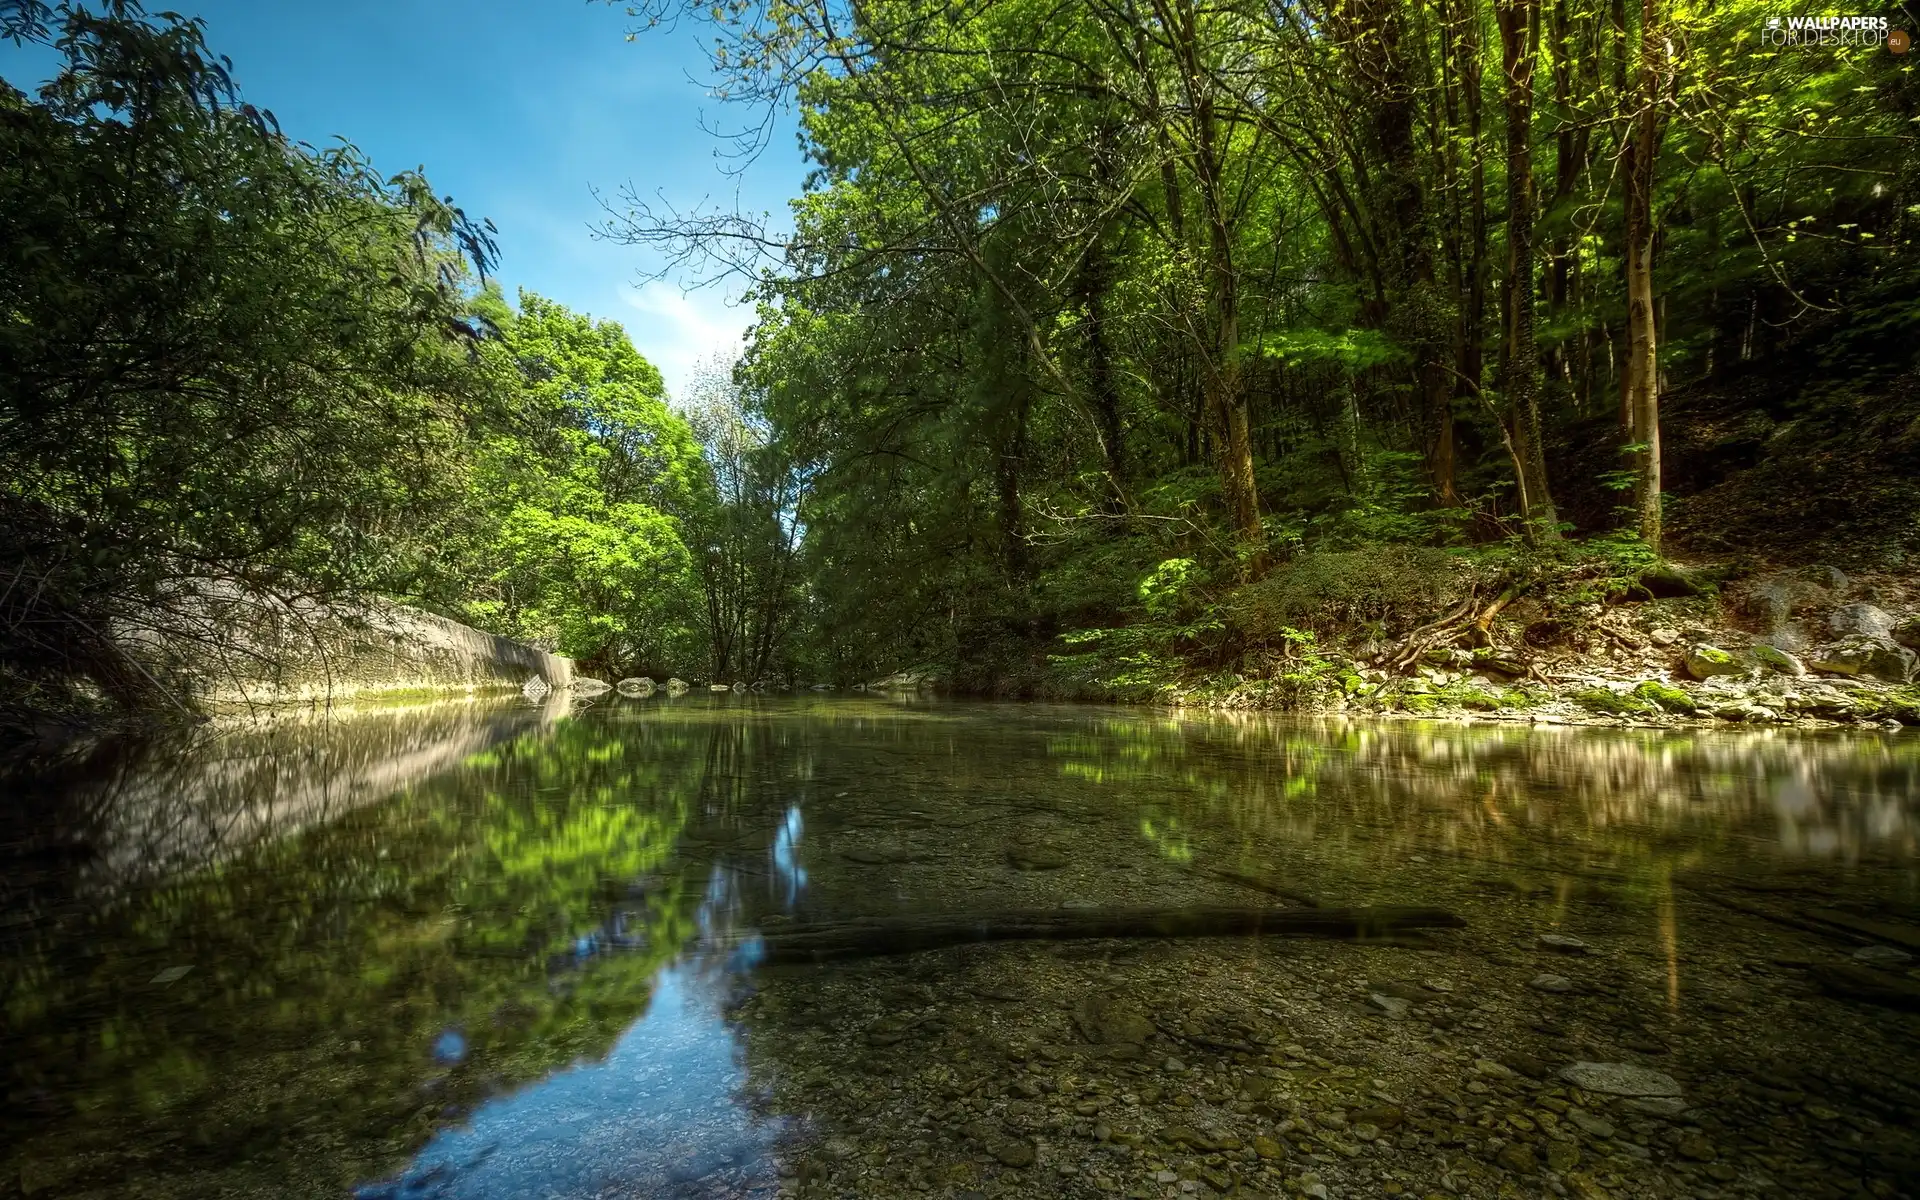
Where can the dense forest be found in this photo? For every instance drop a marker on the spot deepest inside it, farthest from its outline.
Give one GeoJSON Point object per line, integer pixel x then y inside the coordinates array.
{"type": "Point", "coordinates": [1134, 321]}
{"type": "Point", "coordinates": [239, 369]}
{"type": "Point", "coordinates": [1104, 341]}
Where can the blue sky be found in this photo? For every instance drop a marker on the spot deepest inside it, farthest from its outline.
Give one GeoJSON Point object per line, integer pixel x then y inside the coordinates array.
{"type": "Point", "coordinates": [516, 108]}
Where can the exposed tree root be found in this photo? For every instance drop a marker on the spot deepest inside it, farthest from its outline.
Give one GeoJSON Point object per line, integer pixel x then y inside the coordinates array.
{"type": "Point", "coordinates": [1461, 620]}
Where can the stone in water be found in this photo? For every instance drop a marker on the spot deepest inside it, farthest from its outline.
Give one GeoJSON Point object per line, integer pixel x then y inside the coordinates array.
{"type": "Point", "coordinates": [1620, 1079]}
{"type": "Point", "coordinates": [1393, 1006]}
{"type": "Point", "coordinates": [170, 975]}
{"type": "Point", "coordinates": [1562, 944]}
{"type": "Point", "coordinates": [1550, 983]}
{"type": "Point", "coordinates": [1657, 1106]}
{"type": "Point", "coordinates": [1590, 1124]}
{"type": "Point", "coordinates": [1882, 956]}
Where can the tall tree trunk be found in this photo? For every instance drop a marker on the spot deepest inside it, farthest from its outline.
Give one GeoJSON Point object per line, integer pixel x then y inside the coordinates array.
{"type": "Point", "coordinates": [1400, 204]}
{"type": "Point", "coordinates": [1010, 464]}
{"type": "Point", "coordinates": [1095, 288]}
{"type": "Point", "coordinates": [1102, 383]}
{"type": "Point", "coordinates": [1641, 387]}
{"type": "Point", "coordinates": [1520, 356]}
{"type": "Point", "coordinates": [1569, 160]}
{"type": "Point", "coordinates": [1223, 384]}
{"type": "Point", "coordinates": [1473, 298]}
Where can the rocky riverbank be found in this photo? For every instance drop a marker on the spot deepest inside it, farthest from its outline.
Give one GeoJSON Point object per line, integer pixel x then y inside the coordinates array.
{"type": "Point", "coordinates": [1811, 647]}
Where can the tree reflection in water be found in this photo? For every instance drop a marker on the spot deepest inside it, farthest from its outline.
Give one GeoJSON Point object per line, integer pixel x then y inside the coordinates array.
{"type": "Point", "coordinates": [472, 938]}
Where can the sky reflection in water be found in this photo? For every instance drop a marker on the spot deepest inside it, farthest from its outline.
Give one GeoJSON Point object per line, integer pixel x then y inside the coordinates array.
{"type": "Point", "coordinates": [309, 948]}
{"type": "Point", "coordinates": [663, 1111]}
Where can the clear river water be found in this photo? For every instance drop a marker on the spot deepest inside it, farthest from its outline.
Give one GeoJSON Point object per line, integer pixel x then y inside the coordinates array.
{"type": "Point", "coordinates": [490, 950]}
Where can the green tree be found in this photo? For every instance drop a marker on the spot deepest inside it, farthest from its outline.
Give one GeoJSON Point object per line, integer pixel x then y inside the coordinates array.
{"type": "Point", "coordinates": [581, 499]}
{"type": "Point", "coordinates": [230, 366]}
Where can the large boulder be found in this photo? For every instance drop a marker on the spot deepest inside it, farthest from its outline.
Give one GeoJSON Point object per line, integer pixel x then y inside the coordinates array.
{"type": "Point", "coordinates": [1668, 580]}
{"type": "Point", "coordinates": [636, 688]}
{"type": "Point", "coordinates": [583, 686]}
{"type": "Point", "coordinates": [1705, 662]}
{"type": "Point", "coordinates": [1907, 633]}
{"type": "Point", "coordinates": [1860, 620]}
{"type": "Point", "coordinates": [1774, 659]}
{"type": "Point", "coordinates": [676, 687]}
{"type": "Point", "coordinates": [1865, 655]}
{"type": "Point", "coordinates": [1775, 600]}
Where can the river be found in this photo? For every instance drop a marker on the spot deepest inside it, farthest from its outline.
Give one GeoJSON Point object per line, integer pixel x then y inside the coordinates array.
{"type": "Point", "coordinates": [484, 951]}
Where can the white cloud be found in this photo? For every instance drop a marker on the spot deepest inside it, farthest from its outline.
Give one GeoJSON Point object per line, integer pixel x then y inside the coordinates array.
{"type": "Point", "coordinates": [679, 330]}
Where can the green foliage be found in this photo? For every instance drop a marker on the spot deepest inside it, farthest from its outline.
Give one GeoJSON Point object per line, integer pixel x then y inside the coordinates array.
{"type": "Point", "coordinates": [1174, 622]}
{"type": "Point", "coordinates": [1622, 552]}
{"type": "Point", "coordinates": [229, 365]}
{"type": "Point", "coordinates": [1351, 349]}
{"type": "Point", "coordinates": [234, 368]}
{"type": "Point", "coordinates": [1387, 586]}
{"type": "Point", "coordinates": [1029, 343]}
{"type": "Point", "coordinates": [1164, 591]}
{"type": "Point", "coordinates": [581, 504]}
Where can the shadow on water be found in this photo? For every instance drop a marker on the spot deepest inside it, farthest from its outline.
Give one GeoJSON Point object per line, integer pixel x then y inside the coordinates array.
{"type": "Point", "coordinates": [475, 951]}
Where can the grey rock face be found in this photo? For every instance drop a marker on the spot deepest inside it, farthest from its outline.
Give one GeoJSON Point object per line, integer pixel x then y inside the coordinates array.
{"type": "Point", "coordinates": [1864, 654]}
{"type": "Point", "coordinates": [1907, 633]}
{"type": "Point", "coordinates": [1861, 619]}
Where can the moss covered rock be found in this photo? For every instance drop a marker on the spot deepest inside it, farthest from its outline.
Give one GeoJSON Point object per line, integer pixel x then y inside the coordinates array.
{"type": "Point", "coordinates": [1619, 704]}
{"type": "Point", "coordinates": [1665, 695]}
{"type": "Point", "coordinates": [1873, 657]}
{"type": "Point", "coordinates": [1704, 662]}
{"type": "Point", "coordinates": [1900, 704]}
{"type": "Point", "coordinates": [1778, 661]}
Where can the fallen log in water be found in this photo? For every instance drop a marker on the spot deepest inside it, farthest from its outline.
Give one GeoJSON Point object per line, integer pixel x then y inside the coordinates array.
{"type": "Point", "coordinates": [880, 936]}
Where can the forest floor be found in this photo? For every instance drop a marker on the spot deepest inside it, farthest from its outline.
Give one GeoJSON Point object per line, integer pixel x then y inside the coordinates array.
{"type": "Point", "coordinates": [1801, 646]}
{"type": "Point", "coordinates": [1688, 643]}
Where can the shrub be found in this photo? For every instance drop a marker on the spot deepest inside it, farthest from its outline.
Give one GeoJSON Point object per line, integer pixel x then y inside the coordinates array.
{"type": "Point", "coordinates": [1385, 585]}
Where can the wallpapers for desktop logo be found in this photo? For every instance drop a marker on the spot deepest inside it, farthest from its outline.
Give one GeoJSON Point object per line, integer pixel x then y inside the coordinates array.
{"type": "Point", "coordinates": [1829, 31]}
